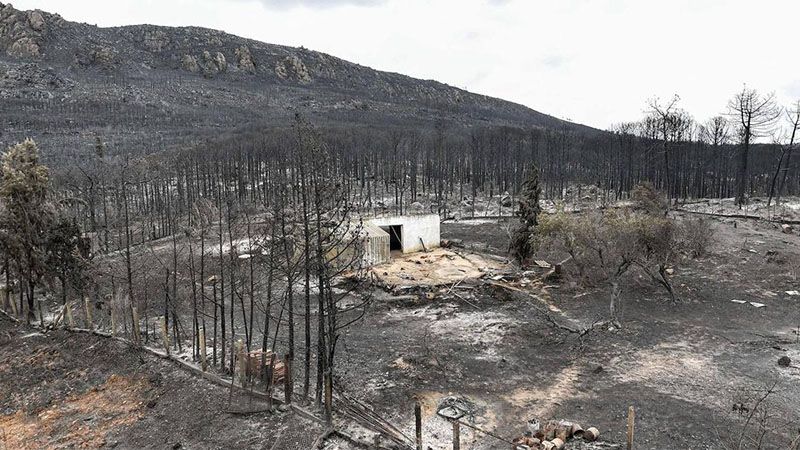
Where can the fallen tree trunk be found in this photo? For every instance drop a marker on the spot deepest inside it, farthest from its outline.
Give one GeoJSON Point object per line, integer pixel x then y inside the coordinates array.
{"type": "Point", "coordinates": [739, 216]}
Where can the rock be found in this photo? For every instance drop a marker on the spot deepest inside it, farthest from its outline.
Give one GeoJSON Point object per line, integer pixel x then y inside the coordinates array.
{"type": "Point", "coordinates": [245, 59]}
{"type": "Point", "coordinates": [293, 68]}
{"type": "Point", "coordinates": [417, 206]}
{"type": "Point", "coordinates": [213, 63]}
{"type": "Point", "coordinates": [219, 60]}
{"type": "Point", "coordinates": [156, 41]}
{"type": "Point", "coordinates": [784, 361]}
{"type": "Point", "coordinates": [36, 20]}
{"type": "Point", "coordinates": [25, 47]}
{"type": "Point", "coordinates": [104, 56]}
{"type": "Point", "coordinates": [189, 64]}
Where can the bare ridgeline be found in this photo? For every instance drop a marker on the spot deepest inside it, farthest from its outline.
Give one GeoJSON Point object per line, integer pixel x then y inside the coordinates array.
{"type": "Point", "coordinates": [188, 262]}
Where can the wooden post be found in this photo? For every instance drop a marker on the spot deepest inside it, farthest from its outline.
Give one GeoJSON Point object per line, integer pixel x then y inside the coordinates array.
{"type": "Point", "coordinates": [631, 419]}
{"type": "Point", "coordinates": [165, 334]}
{"type": "Point", "coordinates": [328, 399]}
{"type": "Point", "coordinates": [203, 359]}
{"type": "Point", "coordinates": [287, 380]}
{"type": "Point", "coordinates": [456, 436]}
{"type": "Point", "coordinates": [269, 375]}
{"type": "Point", "coordinates": [68, 312]}
{"type": "Point", "coordinates": [418, 424]}
{"type": "Point", "coordinates": [13, 307]}
{"type": "Point", "coordinates": [89, 323]}
{"type": "Point", "coordinates": [242, 355]}
{"type": "Point", "coordinates": [137, 335]}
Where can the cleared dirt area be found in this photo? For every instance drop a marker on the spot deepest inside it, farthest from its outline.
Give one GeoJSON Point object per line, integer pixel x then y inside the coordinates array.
{"type": "Point", "coordinates": [435, 268]}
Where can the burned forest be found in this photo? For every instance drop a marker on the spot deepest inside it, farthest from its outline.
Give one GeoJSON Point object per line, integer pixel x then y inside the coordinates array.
{"type": "Point", "coordinates": [208, 241]}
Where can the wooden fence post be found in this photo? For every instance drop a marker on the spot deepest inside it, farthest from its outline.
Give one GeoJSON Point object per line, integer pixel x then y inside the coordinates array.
{"type": "Point", "coordinates": [631, 419]}
{"type": "Point", "coordinates": [165, 334]}
{"type": "Point", "coordinates": [456, 436]}
{"type": "Point", "coordinates": [70, 321]}
{"type": "Point", "coordinates": [203, 359]}
{"type": "Point", "coordinates": [89, 323]}
{"type": "Point", "coordinates": [137, 335]}
{"type": "Point", "coordinates": [328, 398]}
{"type": "Point", "coordinates": [418, 424]}
{"type": "Point", "coordinates": [243, 357]}
{"type": "Point", "coordinates": [287, 380]}
{"type": "Point", "coordinates": [13, 304]}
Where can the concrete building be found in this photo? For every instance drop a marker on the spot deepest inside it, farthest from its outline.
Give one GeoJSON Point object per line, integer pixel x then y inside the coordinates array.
{"type": "Point", "coordinates": [410, 233]}
{"type": "Point", "coordinates": [384, 236]}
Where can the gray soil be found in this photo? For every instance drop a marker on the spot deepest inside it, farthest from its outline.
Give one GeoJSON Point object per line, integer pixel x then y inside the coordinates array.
{"type": "Point", "coordinates": [685, 367]}
{"type": "Point", "coordinates": [682, 366]}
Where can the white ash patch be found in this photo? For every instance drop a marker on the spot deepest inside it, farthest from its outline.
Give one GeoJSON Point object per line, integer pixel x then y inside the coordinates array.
{"type": "Point", "coordinates": [677, 369]}
{"type": "Point", "coordinates": [482, 331]}
{"type": "Point", "coordinates": [467, 221]}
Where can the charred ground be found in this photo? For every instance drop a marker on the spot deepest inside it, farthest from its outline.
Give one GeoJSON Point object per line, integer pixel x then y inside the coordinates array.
{"type": "Point", "coordinates": [495, 349]}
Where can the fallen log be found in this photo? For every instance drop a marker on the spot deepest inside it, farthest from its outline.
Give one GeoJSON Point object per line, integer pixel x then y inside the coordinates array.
{"type": "Point", "coordinates": [739, 216]}
{"type": "Point", "coordinates": [9, 316]}
{"type": "Point", "coordinates": [591, 434]}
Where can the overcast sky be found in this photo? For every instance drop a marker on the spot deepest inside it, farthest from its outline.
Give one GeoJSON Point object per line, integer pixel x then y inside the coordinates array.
{"type": "Point", "coordinates": [592, 61]}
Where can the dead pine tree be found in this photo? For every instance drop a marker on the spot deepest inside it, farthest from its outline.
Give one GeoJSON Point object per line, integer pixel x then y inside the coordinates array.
{"type": "Point", "coordinates": [337, 253]}
{"type": "Point", "coordinates": [305, 139]}
{"type": "Point", "coordinates": [670, 122]}
{"type": "Point", "coordinates": [754, 115]}
{"type": "Point", "coordinates": [781, 171]}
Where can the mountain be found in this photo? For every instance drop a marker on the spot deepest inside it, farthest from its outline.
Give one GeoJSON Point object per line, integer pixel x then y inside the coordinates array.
{"type": "Point", "coordinates": [145, 88]}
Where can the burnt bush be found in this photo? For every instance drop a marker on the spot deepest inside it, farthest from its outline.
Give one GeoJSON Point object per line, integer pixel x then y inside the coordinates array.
{"type": "Point", "coordinates": [696, 236]}
{"type": "Point", "coordinates": [648, 199]}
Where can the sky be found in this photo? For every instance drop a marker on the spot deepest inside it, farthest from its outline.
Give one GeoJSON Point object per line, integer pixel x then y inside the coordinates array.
{"type": "Point", "coordinates": [595, 62]}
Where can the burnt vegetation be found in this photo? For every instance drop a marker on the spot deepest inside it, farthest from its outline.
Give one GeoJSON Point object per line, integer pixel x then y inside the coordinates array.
{"type": "Point", "coordinates": [203, 195]}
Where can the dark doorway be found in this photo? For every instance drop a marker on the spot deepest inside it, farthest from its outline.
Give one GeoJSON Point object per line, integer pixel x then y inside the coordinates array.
{"type": "Point", "coordinates": [395, 237]}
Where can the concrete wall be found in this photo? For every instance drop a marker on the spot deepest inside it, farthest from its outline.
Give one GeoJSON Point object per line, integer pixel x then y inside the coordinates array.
{"type": "Point", "coordinates": [415, 227]}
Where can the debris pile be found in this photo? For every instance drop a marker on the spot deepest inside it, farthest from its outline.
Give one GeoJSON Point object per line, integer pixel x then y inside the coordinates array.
{"type": "Point", "coordinates": [257, 359]}
{"type": "Point", "coordinates": [435, 268]}
{"type": "Point", "coordinates": [554, 435]}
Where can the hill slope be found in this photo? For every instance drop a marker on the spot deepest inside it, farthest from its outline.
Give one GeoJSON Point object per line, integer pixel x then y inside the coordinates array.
{"type": "Point", "coordinates": [146, 87]}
